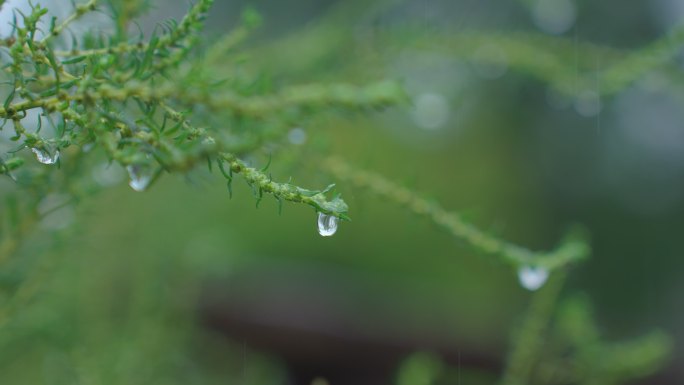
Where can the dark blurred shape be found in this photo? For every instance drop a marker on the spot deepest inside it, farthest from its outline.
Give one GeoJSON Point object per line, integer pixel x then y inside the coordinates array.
{"type": "Point", "coordinates": [303, 316]}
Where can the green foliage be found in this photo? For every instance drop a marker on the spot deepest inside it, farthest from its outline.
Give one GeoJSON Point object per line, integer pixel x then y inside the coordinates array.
{"type": "Point", "coordinates": [126, 98]}
{"type": "Point", "coordinates": [165, 105]}
{"type": "Point", "coordinates": [572, 351]}
{"type": "Point", "coordinates": [577, 354]}
{"type": "Point", "coordinates": [573, 248]}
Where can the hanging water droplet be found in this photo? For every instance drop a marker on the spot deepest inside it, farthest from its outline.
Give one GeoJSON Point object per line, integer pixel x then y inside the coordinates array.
{"type": "Point", "coordinates": [327, 224]}
{"type": "Point", "coordinates": [44, 156]}
{"type": "Point", "coordinates": [532, 277]}
{"type": "Point", "coordinates": [141, 176]}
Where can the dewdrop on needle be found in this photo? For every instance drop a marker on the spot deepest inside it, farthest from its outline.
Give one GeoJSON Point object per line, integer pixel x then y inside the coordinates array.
{"type": "Point", "coordinates": [327, 224]}
{"type": "Point", "coordinates": [44, 156]}
{"type": "Point", "coordinates": [532, 278]}
{"type": "Point", "coordinates": [140, 177]}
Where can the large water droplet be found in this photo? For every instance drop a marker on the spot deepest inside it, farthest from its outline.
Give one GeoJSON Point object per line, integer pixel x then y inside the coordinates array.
{"type": "Point", "coordinates": [532, 277]}
{"type": "Point", "coordinates": [141, 176]}
{"type": "Point", "coordinates": [44, 156]}
{"type": "Point", "coordinates": [327, 224]}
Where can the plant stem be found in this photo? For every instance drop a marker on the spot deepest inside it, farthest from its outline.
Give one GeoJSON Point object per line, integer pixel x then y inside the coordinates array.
{"type": "Point", "coordinates": [528, 341]}
{"type": "Point", "coordinates": [568, 251]}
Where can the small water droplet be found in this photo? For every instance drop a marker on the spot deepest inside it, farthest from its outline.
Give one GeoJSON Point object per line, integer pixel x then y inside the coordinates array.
{"type": "Point", "coordinates": [327, 224]}
{"type": "Point", "coordinates": [44, 156]}
{"type": "Point", "coordinates": [141, 176]}
{"type": "Point", "coordinates": [532, 277]}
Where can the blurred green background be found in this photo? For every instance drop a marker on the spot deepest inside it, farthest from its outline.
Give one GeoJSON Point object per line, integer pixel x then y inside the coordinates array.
{"type": "Point", "coordinates": [181, 284]}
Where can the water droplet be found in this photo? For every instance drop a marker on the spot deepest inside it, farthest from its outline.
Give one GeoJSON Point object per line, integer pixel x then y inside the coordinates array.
{"type": "Point", "coordinates": [141, 176]}
{"type": "Point", "coordinates": [327, 224]}
{"type": "Point", "coordinates": [297, 136]}
{"type": "Point", "coordinates": [44, 156]}
{"type": "Point", "coordinates": [532, 277]}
